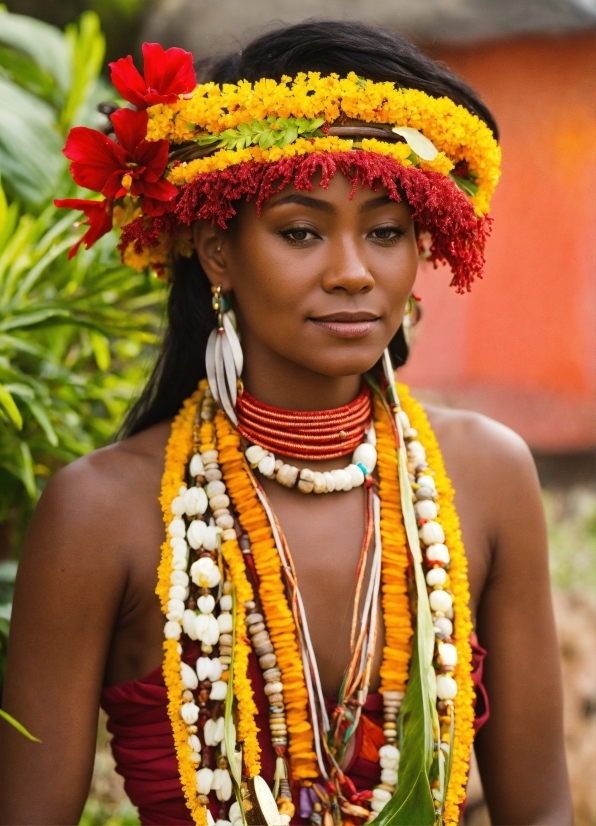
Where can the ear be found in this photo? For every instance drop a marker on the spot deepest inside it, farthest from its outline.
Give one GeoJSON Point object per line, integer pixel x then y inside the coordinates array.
{"type": "Point", "coordinates": [210, 243]}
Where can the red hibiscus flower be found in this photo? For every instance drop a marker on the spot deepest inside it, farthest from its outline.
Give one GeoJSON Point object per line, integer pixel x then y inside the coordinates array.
{"type": "Point", "coordinates": [132, 166]}
{"type": "Point", "coordinates": [99, 219]}
{"type": "Point", "coordinates": [167, 75]}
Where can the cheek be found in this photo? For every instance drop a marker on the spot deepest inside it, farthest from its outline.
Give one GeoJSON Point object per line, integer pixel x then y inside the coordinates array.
{"type": "Point", "coordinates": [395, 274]}
{"type": "Point", "coordinates": [270, 285]}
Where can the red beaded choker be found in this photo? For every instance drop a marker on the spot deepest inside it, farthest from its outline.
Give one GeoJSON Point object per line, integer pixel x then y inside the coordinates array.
{"type": "Point", "coordinates": [312, 434]}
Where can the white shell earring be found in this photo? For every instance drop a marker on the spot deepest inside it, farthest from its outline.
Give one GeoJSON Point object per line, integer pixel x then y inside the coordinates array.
{"type": "Point", "coordinates": [224, 359]}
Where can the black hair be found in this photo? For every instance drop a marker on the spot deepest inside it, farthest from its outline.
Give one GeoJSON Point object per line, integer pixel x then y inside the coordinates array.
{"type": "Point", "coordinates": [320, 46]}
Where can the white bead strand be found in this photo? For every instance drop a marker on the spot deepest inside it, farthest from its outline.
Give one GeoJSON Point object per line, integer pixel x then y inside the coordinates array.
{"type": "Point", "coordinates": [364, 461]}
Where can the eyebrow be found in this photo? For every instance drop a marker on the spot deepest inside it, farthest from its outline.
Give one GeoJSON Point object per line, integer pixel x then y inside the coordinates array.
{"type": "Point", "coordinates": [381, 200]}
{"type": "Point", "coordinates": [324, 206]}
{"type": "Point", "coordinates": [301, 200]}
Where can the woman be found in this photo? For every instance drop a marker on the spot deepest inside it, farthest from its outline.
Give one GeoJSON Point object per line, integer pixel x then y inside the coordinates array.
{"type": "Point", "coordinates": [303, 203]}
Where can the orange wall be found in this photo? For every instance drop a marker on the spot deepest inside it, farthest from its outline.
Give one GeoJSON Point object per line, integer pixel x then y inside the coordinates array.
{"type": "Point", "coordinates": [521, 346]}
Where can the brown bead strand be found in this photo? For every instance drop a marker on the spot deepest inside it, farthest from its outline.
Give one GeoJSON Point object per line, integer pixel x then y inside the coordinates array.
{"type": "Point", "coordinates": [263, 649]}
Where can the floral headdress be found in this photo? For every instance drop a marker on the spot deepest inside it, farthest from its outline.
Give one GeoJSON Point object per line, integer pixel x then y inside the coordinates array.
{"type": "Point", "coordinates": [190, 151]}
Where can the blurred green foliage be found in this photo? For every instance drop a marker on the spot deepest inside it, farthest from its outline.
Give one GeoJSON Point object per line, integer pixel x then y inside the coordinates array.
{"type": "Point", "coordinates": [120, 19]}
{"type": "Point", "coordinates": [107, 804]}
{"type": "Point", "coordinates": [97, 814]}
{"type": "Point", "coordinates": [75, 336]}
{"type": "Point", "coordinates": [571, 520]}
{"type": "Point", "coordinates": [8, 571]}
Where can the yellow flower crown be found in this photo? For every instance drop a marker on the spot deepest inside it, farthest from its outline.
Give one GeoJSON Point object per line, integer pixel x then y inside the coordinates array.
{"type": "Point", "coordinates": [267, 121]}
{"type": "Point", "coordinates": [188, 152]}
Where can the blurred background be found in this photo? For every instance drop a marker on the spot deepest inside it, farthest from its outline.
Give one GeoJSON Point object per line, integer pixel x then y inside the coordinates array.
{"type": "Point", "coordinates": [77, 337]}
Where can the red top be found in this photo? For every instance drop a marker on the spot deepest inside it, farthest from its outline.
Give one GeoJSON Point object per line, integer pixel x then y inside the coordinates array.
{"type": "Point", "coordinates": [143, 746]}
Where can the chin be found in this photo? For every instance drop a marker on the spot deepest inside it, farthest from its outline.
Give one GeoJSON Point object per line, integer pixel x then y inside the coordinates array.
{"type": "Point", "coordinates": [347, 364]}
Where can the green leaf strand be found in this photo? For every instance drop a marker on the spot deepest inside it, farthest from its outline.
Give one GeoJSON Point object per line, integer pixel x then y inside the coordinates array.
{"type": "Point", "coordinates": [19, 726]}
{"type": "Point", "coordinates": [265, 133]}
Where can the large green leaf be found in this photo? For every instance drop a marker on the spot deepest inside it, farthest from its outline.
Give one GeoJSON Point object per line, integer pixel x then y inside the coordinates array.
{"type": "Point", "coordinates": [17, 246]}
{"type": "Point", "coordinates": [8, 342]}
{"type": "Point", "coordinates": [31, 157]}
{"type": "Point", "coordinates": [412, 802]}
{"type": "Point", "coordinates": [61, 69]}
{"type": "Point", "coordinates": [9, 215]}
{"type": "Point", "coordinates": [59, 320]}
{"type": "Point", "coordinates": [35, 318]}
{"type": "Point", "coordinates": [101, 350]}
{"type": "Point", "coordinates": [25, 72]}
{"type": "Point", "coordinates": [8, 404]}
{"type": "Point", "coordinates": [26, 470]}
{"type": "Point", "coordinates": [43, 420]}
{"type": "Point", "coordinates": [87, 49]}
{"type": "Point", "coordinates": [43, 43]}
{"type": "Point", "coordinates": [37, 271]}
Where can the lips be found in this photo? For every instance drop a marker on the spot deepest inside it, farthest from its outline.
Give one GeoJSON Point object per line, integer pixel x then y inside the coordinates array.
{"type": "Point", "coordinates": [348, 324]}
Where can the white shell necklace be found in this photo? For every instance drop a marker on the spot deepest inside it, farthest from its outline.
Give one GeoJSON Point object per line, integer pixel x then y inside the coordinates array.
{"type": "Point", "coordinates": [364, 460]}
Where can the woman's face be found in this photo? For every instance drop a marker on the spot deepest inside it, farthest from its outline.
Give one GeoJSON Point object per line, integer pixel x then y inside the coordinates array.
{"type": "Point", "coordinates": [318, 280]}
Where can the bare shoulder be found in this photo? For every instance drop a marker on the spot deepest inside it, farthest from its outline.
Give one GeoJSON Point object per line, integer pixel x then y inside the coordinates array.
{"type": "Point", "coordinates": [494, 476]}
{"type": "Point", "coordinates": [102, 477]}
{"type": "Point", "coordinates": [480, 442]}
{"type": "Point", "coordinates": [91, 499]}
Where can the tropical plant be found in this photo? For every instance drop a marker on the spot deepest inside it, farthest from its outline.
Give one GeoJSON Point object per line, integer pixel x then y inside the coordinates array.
{"type": "Point", "coordinates": [120, 19]}
{"type": "Point", "coordinates": [8, 570]}
{"type": "Point", "coordinates": [74, 334]}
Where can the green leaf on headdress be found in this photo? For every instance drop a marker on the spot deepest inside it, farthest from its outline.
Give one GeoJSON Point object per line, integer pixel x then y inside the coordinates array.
{"type": "Point", "coordinates": [205, 140]}
{"type": "Point", "coordinates": [467, 185]}
{"type": "Point", "coordinates": [261, 133]}
{"type": "Point", "coordinates": [290, 134]}
{"type": "Point", "coordinates": [267, 140]}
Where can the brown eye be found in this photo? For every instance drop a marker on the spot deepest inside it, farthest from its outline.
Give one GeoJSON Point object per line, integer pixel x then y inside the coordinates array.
{"type": "Point", "coordinates": [298, 235]}
{"type": "Point", "coordinates": [387, 233]}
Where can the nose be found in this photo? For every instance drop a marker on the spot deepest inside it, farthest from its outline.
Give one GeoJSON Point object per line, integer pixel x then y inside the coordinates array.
{"type": "Point", "coordinates": [346, 270]}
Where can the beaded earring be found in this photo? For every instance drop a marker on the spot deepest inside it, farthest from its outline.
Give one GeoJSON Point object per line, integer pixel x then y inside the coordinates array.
{"type": "Point", "coordinates": [224, 359]}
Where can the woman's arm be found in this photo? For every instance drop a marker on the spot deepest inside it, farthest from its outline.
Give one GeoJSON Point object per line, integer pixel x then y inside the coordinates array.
{"type": "Point", "coordinates": [69, 587]}
{"type": "Point", "coordinates": [520, 751]}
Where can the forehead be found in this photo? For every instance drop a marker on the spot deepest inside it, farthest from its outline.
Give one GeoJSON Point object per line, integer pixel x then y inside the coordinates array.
{"type": "Point", "coordinates": [338, 194]}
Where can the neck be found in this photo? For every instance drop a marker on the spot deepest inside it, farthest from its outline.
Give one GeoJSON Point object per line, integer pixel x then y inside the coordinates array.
{"type": "Point", "coordinates": [281, 383]}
